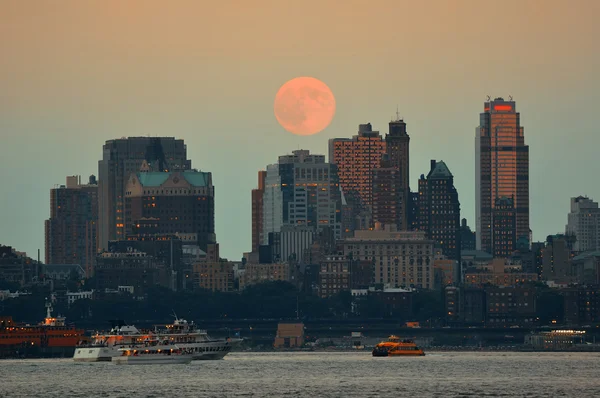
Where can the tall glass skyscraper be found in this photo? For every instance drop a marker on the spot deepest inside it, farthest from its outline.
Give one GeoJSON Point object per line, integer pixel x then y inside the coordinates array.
{"type": "Point", "coordinates": [501, 170]}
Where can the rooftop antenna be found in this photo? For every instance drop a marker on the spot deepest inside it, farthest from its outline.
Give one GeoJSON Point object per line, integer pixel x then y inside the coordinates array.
{"type": "Point", "coordinates": [488, 98]}
{"type": "Point", "coordinates": [397, 113]}
{"type": "Point", "coordinates": [510, 97]}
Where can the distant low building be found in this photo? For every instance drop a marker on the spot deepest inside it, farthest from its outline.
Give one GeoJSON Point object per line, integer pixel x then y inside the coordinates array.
{"type": "Point", "coordinates": [444, 272]}
{"type": "Point", "coordinates": [394, 302]}
{"type": "Point", "coordinates": [213, 273]}
{"type": "Point", "coordinates": [498, 272]}
{"type": "Point", "coordinates": [555, 340]}
{"type": "Point", "coordinates": [587, 268]}
{"type": "Point", "coordinates": [61, 272]}
{"type": "Point", "coordinates": [289, 335]}
{"type": "Point", "coordinates": [556, 259]}
{"type": "Point", "coordinates": [581, 305]}
{"type": "Point", "coordinates": [74, 296]}
{"type": "Point", "coordinates": [334, 276]}
{"type": "Point", "coordinates": [132, 268]}
{"type": "Point", "coordinates": [17, 268]}
{"type": "Point", "coordinates": [510, 306]}
{"type": "Point", "coordinates": [261, 273]}
{"type": "Point", "coordinates": [491, 306]}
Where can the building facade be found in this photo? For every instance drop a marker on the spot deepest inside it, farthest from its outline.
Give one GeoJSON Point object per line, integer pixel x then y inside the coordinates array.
{"type": "Point", "coordinates": [120, 158]}
{"type": "Point", "coordinates": [504, 222]}
{"type": "Point", "coordinates": [71, 229]}
{"type": "Point", "coordinates": [334, 276]}
{"type": "Point", "coordinates": [213, 273]}
{"type": "Point", "coordinates": [257, 211]}
{"type": "Point", "coordinates": [501, 169]}
{"type": "Point", "coordinates": [467, 237]}
{"type": "Point", "coordinates": [556, 259]}
{"type": "Point", "coordinates": [389, 201]}
{"type": "Point", "coordinates": [397, 147]}
{"type": "Point", "coordinates": [132, 268]}
{"type": "Point", "coordinates": [301, 190]}
{"type": "Point", "coordinates": [261, 273]}
{"type": "Point", "coordinates": [584, 223]}
{"type": "Point", "coordinates": [295, 240]}
{"type": "Point", "coordinates": [400, 259]}
{"type": "Point", "coordinates": [178, 202]}
{"type": "Point", "coordinates": [356, 158]}
{"type": "Point", "coordinates": [439, 209]}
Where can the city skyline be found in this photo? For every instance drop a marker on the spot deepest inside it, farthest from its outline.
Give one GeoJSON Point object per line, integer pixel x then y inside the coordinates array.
{"type": "Point", "coordinates": [66, 94]}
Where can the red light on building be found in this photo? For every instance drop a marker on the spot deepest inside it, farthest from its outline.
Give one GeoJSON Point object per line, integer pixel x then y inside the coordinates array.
{"type": "Point", "coordinates": [503, 107]}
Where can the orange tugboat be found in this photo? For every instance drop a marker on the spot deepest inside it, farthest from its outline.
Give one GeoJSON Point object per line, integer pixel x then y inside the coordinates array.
{"type": "Point", "coordinates": [53, 337]}
{"type": "Point", "coordinates": [395, 346]}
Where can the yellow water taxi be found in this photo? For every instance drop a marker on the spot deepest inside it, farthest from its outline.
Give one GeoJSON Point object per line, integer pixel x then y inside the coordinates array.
{"type": "Point", "coordinates": [395, 346]}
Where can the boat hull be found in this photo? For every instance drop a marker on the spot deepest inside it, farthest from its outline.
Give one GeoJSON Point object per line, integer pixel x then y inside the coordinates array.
{"type": "Point", "coordinates": [158, 359]}
{"type": "Point", "coordinates": [203, 351]}
{"type": "Point", "coordinates": [406, 354]}
{"type": "Point", "coordinates": [94, 354]}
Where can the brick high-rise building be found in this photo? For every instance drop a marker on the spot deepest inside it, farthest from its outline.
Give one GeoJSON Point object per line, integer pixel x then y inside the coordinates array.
{"type": "Point", "coordinates": [388, 195]}
{"type": "Point", "coordinates": [178, 202]}
{"type": "Point", "coordinates": [120, 158]}
{"type": "Point", "coordinates": [356, 158]}
{"type": "Point", "coordinates": [503, 228]}
{"type": "Point", "coordinates": [439, 209]}
{"type": "Point", "coordinates": [257, 211]}
{"type": "Point", "coordinates": [501, 169]}
{"type": "Point", "coordinates": [397, 147]}
{"type": "Point", "coordinates": [71, 229]}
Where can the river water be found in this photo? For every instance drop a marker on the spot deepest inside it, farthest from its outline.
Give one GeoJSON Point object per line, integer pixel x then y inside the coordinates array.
{"type": "Point", "coordinates": [314, 375]}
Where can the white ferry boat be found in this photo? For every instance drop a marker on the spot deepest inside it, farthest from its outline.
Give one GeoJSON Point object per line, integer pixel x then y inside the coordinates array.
{"type": "Point", "coordinates": [153, 355]}
{"type": "Point", "coordinates": [105, 346]}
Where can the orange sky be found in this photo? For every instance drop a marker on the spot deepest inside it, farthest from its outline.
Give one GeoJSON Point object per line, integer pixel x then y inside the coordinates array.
{"type": "Point", "coordinates": [76, 73]}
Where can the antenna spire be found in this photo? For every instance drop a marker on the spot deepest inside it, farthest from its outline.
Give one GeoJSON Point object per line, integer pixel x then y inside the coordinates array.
{"type": "Point", "coordinates": [397, 113]}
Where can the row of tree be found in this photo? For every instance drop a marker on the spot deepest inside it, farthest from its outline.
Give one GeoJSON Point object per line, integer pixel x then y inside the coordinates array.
{"type": "Point", "coordinates": [272, 300]}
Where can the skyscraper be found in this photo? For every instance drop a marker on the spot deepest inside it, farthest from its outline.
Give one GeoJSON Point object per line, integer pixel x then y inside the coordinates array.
{"type": "Point", "coordinates": [584, 223]}
{"type": "Point", "coordinates": [120, 158]}
{"type": "Point", "coordinates": [301, 190]}
{"type": "Point", "coordinates": [71, 229]}
{"type": "Point", "coordinates": [467, 237]}
{"type": "Point", "coordinates": [257, 211]}
{"type": "Point", "coordinates": [168, 203]}
{"type": "Point", "coordinates": [356, 158]}
{"type": "Point", "coordinates": [388, 195]}
{"type": "Point", "coordinates": [397, 143]}
{"type": "Point", "coordinates": [501, 169]}
{"type": "Point", "coordinates": [504, 218]}
{"type": "Point", "coordinates": [439, 209]}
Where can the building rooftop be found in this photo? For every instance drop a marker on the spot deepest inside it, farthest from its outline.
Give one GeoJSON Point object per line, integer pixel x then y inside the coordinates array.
{"type": "Point", "coordinates": [587, 255]}
{"type": "Point", "coordinates": [478, 254]}
{"type": "Point", "coordinates": [157, 178]}
{"type": "Point", "coordinates": [440, 170]}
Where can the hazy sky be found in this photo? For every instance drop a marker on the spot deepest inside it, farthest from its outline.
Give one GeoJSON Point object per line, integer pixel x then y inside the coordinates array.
{"type": "Point", "coordinates": [74, 74]}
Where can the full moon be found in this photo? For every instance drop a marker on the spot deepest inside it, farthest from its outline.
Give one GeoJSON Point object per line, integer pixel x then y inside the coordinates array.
{"type": "Point", "coordinates": [304, 106]}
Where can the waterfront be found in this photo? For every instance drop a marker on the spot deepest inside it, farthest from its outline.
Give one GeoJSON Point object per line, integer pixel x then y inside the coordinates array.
{"type": "Point", "coordinates": [356, 374]}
